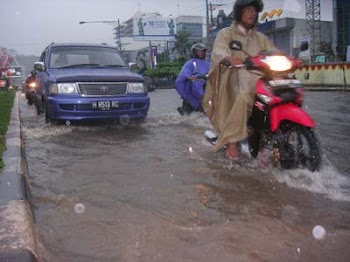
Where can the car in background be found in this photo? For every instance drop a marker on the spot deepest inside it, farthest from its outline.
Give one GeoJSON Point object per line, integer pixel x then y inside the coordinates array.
{"type": "Point", "coordinates": [88, 82]}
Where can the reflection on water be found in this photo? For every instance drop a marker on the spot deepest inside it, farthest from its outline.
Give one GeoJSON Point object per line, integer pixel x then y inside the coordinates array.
{"type": "Point", "coordinates": [157, 192]}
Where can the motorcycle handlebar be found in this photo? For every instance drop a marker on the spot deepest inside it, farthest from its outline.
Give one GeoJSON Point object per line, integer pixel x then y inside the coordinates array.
{"type": "Point", "coordinates": [253, 62]}
{"type": "Point", "coordinates": [228, 64]}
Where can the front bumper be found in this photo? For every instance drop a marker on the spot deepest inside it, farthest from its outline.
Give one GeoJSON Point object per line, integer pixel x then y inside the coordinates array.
{"type": "Point", "coordinates": [63, 108]}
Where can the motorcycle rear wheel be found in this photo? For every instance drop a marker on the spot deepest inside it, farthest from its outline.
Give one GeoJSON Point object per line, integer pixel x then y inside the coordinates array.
{"type": "Point", "coordinates": [299, 147]}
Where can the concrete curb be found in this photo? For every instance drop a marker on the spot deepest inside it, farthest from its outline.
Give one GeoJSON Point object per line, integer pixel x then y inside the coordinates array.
{"type": "Point", "coordinates": [17, 234]}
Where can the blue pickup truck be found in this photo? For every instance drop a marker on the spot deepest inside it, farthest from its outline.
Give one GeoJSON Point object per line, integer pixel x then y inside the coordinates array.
{"type": "Point", "coordinates": [88, 82]}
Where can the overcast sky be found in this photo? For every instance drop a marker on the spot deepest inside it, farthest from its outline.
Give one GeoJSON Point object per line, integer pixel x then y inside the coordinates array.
{"type": "Point", "coordinates": [29, 26]}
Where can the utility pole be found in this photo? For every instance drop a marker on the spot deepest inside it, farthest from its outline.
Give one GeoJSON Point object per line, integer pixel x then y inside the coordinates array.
{"type": "Point", "coordinates": [313, 20]}
{"type": "Point", "coordinates": [211, 15]}
{"type": "Point", "coordinates": [119, 37]}
{"type": "Point", "coordinates": [207, 18]}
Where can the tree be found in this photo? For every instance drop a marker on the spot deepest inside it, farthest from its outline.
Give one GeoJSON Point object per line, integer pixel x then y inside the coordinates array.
{"type": "Point", "coordinates": [181, 42]}
{"type": "Point", "coordinates": [169, 70]}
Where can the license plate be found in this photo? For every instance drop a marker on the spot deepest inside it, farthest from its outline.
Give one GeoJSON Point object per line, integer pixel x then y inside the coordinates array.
{"type": "Point", "coordinates": [105, 105]}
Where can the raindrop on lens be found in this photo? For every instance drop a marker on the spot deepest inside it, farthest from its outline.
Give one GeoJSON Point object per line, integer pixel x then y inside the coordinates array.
{"type": "Point", "coordinates": [79, 208]}
{"type": "Point", "coordinates": [319, 232]}
{"type": "Point", "coordinates": [124, 120]}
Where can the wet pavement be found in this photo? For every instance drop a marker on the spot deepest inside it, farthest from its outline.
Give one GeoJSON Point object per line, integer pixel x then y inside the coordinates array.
{"type": "Point", "coordinates": [157, 192]}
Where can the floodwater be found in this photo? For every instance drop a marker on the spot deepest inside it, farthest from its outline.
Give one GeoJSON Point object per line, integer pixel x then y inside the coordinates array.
{"type": "Point", "coordinates": [157, 192]}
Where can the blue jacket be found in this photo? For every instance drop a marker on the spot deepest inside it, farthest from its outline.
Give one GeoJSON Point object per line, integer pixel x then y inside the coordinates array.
{"type": "Point", "coordinates": [192, 91]}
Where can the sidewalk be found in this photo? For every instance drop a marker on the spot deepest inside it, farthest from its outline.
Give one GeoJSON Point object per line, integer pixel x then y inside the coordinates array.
{"type": "Point", "coordinates": [17, 234]}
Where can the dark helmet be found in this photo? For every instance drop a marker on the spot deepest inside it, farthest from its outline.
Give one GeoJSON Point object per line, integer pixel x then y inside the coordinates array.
{"type": "Point", "coordinates": [239, 4]}
{"type": "Point", "coordinates": [198, 47]}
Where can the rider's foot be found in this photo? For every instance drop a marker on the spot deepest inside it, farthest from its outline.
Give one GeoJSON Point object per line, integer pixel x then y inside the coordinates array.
{"type": "Point", "coordinates": [183, 111]}
{"type": "Point", "coordinates": [180, 110]}
{"type": "Point", "coordinates": [232, 152]}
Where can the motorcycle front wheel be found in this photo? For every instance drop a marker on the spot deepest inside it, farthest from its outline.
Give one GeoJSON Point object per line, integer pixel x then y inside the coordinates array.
{"type": "Point", "coordinates": [298, 146]}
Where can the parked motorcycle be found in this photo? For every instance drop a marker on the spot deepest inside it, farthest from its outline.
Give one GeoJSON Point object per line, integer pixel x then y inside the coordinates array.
{"type": "Point", "coordinates": [279, 127]}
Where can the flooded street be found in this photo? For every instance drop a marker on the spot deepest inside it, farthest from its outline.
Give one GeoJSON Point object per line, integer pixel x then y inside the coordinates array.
{"type": "Point", "coordinates": [157, 192]}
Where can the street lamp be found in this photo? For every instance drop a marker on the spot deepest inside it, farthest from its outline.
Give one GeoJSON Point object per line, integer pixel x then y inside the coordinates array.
{"type": "Point", "coordinates": [107, 22]}
{"type": "Point", "coordinates": [103, 22]}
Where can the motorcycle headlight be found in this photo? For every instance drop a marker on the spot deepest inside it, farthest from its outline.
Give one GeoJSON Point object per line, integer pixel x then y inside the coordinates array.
{"type": "Point", "coordinates": [63, 88]}
{"type": "Point", "coordinates": [266, 99]}
{"type": "Point", "coordinates": [32, 84]}
{"type": "Point", "coordinates": [136, 88]}
{"type": "Point", "coordinates": [278, 63]}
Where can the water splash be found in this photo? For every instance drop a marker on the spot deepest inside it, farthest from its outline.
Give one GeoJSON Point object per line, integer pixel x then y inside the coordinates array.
{"type": "Point", "coordinates": [195, 119]}
{"type": "Point", "coordinates": [328, 182]}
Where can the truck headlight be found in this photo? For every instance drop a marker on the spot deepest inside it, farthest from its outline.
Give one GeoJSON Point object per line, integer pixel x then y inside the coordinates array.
{"type": "Point", "coordinates": [63, 88]}
{"type": "Point", "coordinates": [136, 88]}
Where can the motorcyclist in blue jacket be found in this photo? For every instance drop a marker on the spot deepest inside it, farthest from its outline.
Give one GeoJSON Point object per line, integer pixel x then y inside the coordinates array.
{"type": "Point", "coordinates": [190, 83]}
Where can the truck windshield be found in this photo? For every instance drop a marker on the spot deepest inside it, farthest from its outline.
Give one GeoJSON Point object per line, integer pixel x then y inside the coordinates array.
{"type": "Point", "coordinates": [84, 56]}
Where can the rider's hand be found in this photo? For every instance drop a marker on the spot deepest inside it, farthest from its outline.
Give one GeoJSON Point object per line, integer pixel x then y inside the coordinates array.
{"type": "Point", "coordinates": [192, 77]}
{"type": "Point", "coordinates": [232, 61]}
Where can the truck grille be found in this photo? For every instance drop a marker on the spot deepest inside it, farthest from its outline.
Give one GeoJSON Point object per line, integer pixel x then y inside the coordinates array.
{"type": "Point", "coordinates": [102, 89]}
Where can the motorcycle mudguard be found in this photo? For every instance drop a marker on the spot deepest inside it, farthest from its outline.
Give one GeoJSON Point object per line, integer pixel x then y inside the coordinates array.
{"type": "Point", "coordinates": [290, 112]}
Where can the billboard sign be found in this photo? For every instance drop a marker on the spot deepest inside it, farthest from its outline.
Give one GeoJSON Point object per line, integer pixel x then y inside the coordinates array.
{"type": "Point", "coordinates": [147, 28]}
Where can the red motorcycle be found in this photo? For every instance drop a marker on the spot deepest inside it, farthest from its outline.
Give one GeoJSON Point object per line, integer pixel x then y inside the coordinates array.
{"type": "Point", "coordinates": [278, 122]}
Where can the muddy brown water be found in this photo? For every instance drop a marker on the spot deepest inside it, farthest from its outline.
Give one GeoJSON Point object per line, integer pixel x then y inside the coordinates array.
{"type": "Point", "coordinates": [157, 192]}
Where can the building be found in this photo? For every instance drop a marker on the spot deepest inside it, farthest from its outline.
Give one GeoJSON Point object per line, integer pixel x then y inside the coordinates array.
{"type": "Point", "coordinates": [288, 33]}
{"type": "Point", "coordinates": [131, 49]}
{"type": "Point", "coordinates": [288, 26]}
{"type": "Point", "coordinates": [193, 25]}
{"type": "Point", "coordinates": [342, 10]}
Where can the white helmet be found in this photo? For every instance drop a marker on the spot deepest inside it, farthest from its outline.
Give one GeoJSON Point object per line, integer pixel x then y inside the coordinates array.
{"type": "Point", "coordinates": [198, 47]}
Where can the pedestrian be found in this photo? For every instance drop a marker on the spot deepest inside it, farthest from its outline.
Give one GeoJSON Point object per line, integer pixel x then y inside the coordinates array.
{"type": "Point", "coordinates": [230, 92]}
{"type": "Point", "coordinates": [190, 83]}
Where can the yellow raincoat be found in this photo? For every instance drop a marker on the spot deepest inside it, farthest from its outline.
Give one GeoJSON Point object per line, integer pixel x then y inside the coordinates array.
{"type": "Point", "coordinates": [229, 94]}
